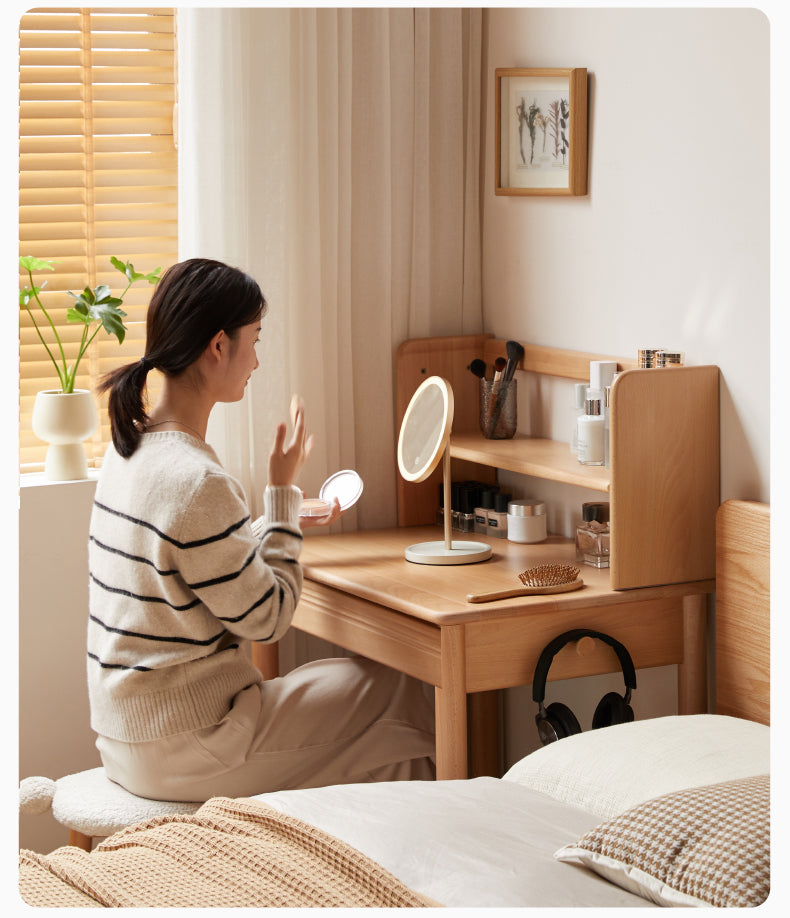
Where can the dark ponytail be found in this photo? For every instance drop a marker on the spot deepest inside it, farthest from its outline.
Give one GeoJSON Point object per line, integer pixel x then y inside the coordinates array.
{"type": "Point", "coordinates": [193, 301]}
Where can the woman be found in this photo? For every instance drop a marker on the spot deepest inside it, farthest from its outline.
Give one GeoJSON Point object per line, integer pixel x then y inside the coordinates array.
{"type": "Point", "coordinates": [181, 580]}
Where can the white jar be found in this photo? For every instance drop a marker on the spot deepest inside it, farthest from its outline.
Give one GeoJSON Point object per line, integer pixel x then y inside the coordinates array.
{"type": "Point", "coordinates": [526, 521]}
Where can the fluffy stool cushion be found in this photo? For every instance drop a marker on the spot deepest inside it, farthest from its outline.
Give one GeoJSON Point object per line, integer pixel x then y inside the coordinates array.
{"type": "Point", "coordinates": [92, 804]}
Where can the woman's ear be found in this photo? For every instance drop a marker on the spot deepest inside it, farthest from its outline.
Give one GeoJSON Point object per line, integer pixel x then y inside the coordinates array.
{"type": "Point", "coordinates": [217, 348]}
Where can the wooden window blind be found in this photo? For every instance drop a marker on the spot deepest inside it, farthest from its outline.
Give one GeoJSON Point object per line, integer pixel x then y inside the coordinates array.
{"type": "Point", "coordinates": [98, 177]}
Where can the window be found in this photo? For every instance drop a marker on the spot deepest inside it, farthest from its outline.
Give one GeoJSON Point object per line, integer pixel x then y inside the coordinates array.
{"type": "Point", "coordinates": [98, 177]}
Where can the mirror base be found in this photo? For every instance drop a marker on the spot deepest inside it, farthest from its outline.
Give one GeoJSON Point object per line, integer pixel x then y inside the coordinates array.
{"type": "Point", "coordinates": [438, 553]}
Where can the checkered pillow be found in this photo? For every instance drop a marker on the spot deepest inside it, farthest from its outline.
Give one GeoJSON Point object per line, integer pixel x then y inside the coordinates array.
{"type": "Point", "coordinates": [702, 846]}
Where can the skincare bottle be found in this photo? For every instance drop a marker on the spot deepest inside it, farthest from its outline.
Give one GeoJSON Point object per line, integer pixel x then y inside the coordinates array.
{"type": "Point", "coordinates": [592, 535]}
{"type": "Point", "coordinates": [579, 395]}
{"type": "Point", "coordinates": [601, 373]}
{"type": "Point", "coordinates": [590, 428]}
{"type": "Point", "coordinates": [526, 521]}
{"type": "Point", "coordinates": [497, 518]}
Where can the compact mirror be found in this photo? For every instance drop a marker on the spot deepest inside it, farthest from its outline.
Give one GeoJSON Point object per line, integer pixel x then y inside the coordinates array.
{"type": "Point", "coordinates": [423, 441]}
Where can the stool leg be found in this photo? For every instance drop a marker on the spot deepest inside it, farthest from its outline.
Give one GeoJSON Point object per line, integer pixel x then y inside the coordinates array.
{"type": "Point", "coordinates": [79, 840]}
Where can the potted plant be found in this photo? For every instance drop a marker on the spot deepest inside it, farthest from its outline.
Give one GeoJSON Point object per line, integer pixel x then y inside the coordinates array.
{"type": "Point", "coordinates": [66, 416]}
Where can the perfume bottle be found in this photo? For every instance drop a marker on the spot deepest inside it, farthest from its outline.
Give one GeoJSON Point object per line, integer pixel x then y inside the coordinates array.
{"type": "Point", "coordinates": [592, 535]}
{"type": "Point", "coordinates": [497, 518]}
{"type": "Point", "coordinates": [590, 427]}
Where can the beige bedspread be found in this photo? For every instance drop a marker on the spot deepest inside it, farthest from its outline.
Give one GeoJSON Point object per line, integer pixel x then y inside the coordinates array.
{"type": "Point", "coordinates": [230, 853]}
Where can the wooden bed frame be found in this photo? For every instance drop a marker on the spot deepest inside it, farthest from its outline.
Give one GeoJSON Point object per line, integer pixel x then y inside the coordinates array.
{"type": "Point", "coordinates": [743, 603]}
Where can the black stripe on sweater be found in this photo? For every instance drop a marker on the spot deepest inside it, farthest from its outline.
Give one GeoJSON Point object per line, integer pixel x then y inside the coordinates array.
{"type": "Point", "coordinates": [195, 543]}
{"type": "Point", "coordinates": [130, 557]}
{"type": "Point", "coordinates": [166, 638]}
{"type": "Point", "coordinates": [142, 669]}
{"type": "Point", "coordinates": [225, 577]}
{"type": "Point", "coordinates": [160, 599]}
{"type": "Point", "coordinates": [284, 530]}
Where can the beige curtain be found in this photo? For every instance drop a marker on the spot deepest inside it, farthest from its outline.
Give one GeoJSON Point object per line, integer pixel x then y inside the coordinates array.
{"type": "Point", "coordinates": [334, 154]}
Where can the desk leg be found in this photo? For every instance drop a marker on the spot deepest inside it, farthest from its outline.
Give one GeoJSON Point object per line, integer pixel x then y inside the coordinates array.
{"type": "Point", "coordinates": [451, 753]}
{"type": "Point", "coordinates": [267, 658]}
{"type": "Point", "coordinates": [693, 671]}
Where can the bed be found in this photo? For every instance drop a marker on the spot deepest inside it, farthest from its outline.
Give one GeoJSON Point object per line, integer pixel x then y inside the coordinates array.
{"type": "Point", "coordinates": [666, 811]}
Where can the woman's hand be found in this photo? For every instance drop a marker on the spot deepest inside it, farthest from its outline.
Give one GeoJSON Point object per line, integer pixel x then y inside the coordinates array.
{"type": "Point", "coordinates": [305, 522]}
{"type": "Point", "coordinates": [286, 460]}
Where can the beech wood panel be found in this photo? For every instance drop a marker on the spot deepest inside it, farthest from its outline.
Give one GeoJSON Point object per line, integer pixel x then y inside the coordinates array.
{"type": "Point", "coordinates": [664, 448]}
{"type": "Point", "coordinates": [405, 643]}
{"type": "Point", "coordinates": [552, 361]}
{"type": "Point", "coordinates": [504, 653]}
{"type": "Point", "coordinates": [743, 610]}
{"type": "Point", "coordinates": [533, 456]}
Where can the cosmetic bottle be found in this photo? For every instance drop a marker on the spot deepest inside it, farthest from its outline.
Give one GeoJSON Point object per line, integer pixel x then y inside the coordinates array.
{"type": "Point", "coordinates": [497, 518]}
{"type": "Point", "coordinates": [592, 535]}
{"type": "Point", "coordinates": [526, 521]}
{"type": "Point", "coordinates": [579, 395]}
{"type": "Point", "coordinates": [602, 373]}
{"type": "Point", "coordinates": [467, 498]}
{"type": "Point", "coordinates": [646, 357]}
{"type": "Point", "coordinates": [669, 359]}
{"type": "Point", "coordinates": [590, 428]}
{"type": "Point", "coordinates": [607, 394]}
{"type": "Point", "coordinates": [484, 507]}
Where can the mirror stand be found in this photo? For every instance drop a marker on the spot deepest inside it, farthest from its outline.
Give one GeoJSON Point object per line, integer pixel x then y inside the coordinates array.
{"type": "Point", "coordinates": [449, 551]}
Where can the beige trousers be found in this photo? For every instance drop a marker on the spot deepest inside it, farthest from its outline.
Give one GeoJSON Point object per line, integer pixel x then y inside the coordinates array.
{"type": "Point", "coordinates": [335, 721]}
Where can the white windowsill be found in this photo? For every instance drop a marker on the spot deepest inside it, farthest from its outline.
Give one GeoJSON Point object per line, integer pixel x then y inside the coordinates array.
{"type": "Point", "coordinates": [38, 479]}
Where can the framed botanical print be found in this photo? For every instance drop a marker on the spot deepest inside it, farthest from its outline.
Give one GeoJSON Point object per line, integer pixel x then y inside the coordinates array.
{"type": "Point", "coordinates": [541, 131]}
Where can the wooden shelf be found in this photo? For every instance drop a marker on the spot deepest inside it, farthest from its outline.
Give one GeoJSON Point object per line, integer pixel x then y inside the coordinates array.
{"type": "Point", "coordinates": [539, 458]}
{"type": "Point", "coordinates": [663, 480]}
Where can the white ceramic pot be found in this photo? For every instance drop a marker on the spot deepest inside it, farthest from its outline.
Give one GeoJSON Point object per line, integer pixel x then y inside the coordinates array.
{"type": "Point", "coordinates": [64, 420]}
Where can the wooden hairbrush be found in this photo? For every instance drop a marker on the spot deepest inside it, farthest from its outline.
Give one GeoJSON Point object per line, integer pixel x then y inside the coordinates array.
{"type": "Point", "coordinates": [545, 578]}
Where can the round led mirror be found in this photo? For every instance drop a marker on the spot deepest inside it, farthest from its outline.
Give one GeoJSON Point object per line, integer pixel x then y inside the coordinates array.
{"type": "Point", "coordinates": [425, 429]}
{"type": "Point", "coordinates": [423, 441]}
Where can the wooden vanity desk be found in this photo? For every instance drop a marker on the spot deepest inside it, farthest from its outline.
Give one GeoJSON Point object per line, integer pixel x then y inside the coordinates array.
{"type": "Point", "coordinates": [663, 489]}
{"type": "Point", "coordinates": [361, 594]}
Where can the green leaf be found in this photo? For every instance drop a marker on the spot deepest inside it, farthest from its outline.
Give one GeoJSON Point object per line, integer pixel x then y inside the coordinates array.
{"type": "Point", "coordinates": [127, 268]}
{"type": "Point", "coordinates": [112, 320]}
{"type": "Point", "coordinates": [31, 263]}
{"type": "Point", "coordinates": [77, 315]}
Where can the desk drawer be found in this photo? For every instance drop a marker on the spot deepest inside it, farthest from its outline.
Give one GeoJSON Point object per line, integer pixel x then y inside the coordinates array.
{"type": "Point", "coordinates": [367, 628]}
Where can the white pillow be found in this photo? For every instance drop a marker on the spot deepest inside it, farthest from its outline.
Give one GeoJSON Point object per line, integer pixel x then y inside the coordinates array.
{"type": "Point", "coordinates": [612, 769]}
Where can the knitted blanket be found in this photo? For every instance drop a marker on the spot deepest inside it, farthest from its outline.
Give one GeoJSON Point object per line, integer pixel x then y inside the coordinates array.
{"type": "Point", "coordinates": [230, 853]}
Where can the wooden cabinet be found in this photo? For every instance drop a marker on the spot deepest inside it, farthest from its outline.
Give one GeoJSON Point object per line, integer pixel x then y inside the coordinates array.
{"type": "Point", "coordinates": [663, 478]}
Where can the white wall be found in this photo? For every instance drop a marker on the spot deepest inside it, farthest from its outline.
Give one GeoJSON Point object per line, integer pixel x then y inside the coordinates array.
{"type": "Point", "coordinates": [670, 247]}
{"type": "Point", "coordinates": [55, 738]}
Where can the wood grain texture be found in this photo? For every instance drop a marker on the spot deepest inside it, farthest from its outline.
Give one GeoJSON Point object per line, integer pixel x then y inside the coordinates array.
{"type": "Point", "coordinates": [743, 606]}
{"type": "Point", "coordinates": [664, 436]}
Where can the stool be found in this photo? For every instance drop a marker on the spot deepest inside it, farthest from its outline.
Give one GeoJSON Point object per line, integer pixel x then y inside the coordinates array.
{"type": "Point", "coordinates": [92, 806]}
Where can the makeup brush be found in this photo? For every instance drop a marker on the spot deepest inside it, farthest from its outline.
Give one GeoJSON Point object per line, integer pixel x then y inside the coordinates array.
{"type": "Point", "coordinates": [545, 578]}
{"type": "Point", "coordinates": [514, 354]}
{"type": "Point", "coordinates": [478, 367]}
{"type": "Point", "coordinates": [499, 364]}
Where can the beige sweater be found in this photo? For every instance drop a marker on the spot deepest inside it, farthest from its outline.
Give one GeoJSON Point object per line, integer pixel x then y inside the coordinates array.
{"type": "Point", "coordinates": [179, 580]}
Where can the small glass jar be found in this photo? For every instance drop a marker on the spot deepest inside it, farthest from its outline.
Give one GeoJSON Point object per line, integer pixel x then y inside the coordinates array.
{"type": "Point", "coordinates": [592, 535]}
{"type": "Point", "coordinates": [526, 521]}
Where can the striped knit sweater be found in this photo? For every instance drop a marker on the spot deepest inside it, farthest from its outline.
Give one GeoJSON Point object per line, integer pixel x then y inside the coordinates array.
{"type": "Point", "coordinates": [180, 579]}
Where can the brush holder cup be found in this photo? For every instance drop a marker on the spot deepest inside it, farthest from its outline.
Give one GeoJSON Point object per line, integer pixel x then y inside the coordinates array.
{"type": "Point", "coordinates": [498, 415]}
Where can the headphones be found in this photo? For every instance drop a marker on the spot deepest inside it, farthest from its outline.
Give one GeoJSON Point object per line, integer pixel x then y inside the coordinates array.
{"type": "Point", "coordinates": [558, 721]}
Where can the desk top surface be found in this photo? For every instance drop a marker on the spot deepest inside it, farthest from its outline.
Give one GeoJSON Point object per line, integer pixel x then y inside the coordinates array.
{"type": "Point", "coordinates": [371, 565]}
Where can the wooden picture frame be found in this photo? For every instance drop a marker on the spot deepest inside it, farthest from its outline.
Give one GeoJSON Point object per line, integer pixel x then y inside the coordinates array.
{"type": "Point", "coordinates": [540, 136]}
